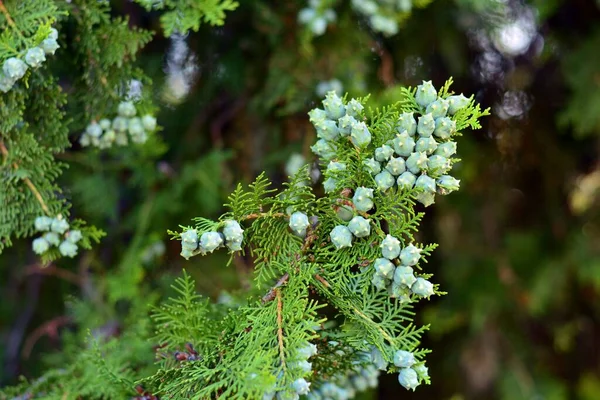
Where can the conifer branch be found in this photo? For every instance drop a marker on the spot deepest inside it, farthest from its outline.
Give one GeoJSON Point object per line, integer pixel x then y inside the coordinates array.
{"type": "Point", "coordinates": [263, 215]}
{"type": "Point", "coordinates": [27, 181]}
{"type": "Point", "coordinates": [272, 292]}
{"type": "Point", "coordinates": [9, 19]}
{"type": "Point", "coordinates": [384, 334]}
{"type": "Point", "coordinates": [280, 328]}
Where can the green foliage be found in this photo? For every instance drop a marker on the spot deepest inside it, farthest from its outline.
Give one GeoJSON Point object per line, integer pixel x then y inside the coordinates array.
{"type": "Point", "coordinates": [518, 244]}
{"type": "Point", "coordinates": [184, 15]}
{"type": "Point", "coordinates": [258, 339]}
{"type": "Point", "coordinates": [579, 72]}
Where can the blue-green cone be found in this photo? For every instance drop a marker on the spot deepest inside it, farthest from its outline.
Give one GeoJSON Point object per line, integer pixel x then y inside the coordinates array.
{"type": "Point", "coordinates": [52, 238]}
{"type": "Point", "coordinates": [359, 226]}
{"type": "Point", "coordinates": [444, 128]}
{"type": "Point", "coordinates": [299, 222]}
{"type": "Point", "coordinates": [406, 180]}
{"type": "Point", "coordinates": [105, 124]}
{"type": "Point", "coordinates": [59, 226]}
{"type": "Point", "coordinates": [354, 108]}
{"type": "Point", "coordinates": [345, 213]}
{"type": "Point", "coordinates": [456, 103]}
{"type": "Point", "coordinates": [408, 378]}
{"type": "Point", "coordinates": [421, 370]}
{"type": "Point", "coordinates": [232, 231]}
{"type": "Point", "coordinates": [403, 144]}
{"type": "Point", "coordinates": [416, 162]}
{"type": "Point", "coordinates": [422, 287]}
{"type": "Point", "coordinates": [335, 166]}
{"type": "Point", "coordinates": [14, 68]}
{"type": "Point", "coordinates": [341, 237]}
{"type": "Point", "coordinates": [324, 149]}
{"type": "Point", "coordinates": [426, 125]}
{"type": "Point", "coordinates": [399, 292]}
{"type": "Point", "coordinates": [379, 281]}
{"type": "Point", "coordinates": [383, 153]}
{"type": "Point", "coordinates": [384, 180]}
{"type": "Point", "coordinates": [426, 198]}
{"type": "Point", "coordinates": [42, 223]}
{"type": "Point", "coordinates": [377, 359]}
{"type": "Point", "coordinates": [68, 249]}
{"type": "Point", "coordinates": [404, 359]}
{"type": "Point", "coordinates": [396, 166]}
{"type": "Point", "coordinates": [304, 366]}
{"type": "Point", "coordinates": [426, 94]}
{"type": "Point", "coordinates": [126, 109]}
{"type": "Point", "coordinates": [210, 241]}
{"type": "Point", "coordinates": [438, 108]}
{"type": "Point", "coordinates": [40, 245]}
{"type": "Point", "coordinates": [345, 124]}
{"type": "Point", "coordinates": [384, 267]}
{"type": "Point", "coordinates": [360, 383]}
{"type": "Point", "coordinates": [301, 386]}
{"type": "Point", "coordinates": [406, 122]}
{"type": "Point", "coordinates": [149, 122]}
{"type": "Point", "coordinates": [74, 236]}
{"type": "Point", "coordinates": [35, 57]}
{"type": "Point", "coordinates": [317, 115]}
{"type": "Point", "coordinates": [438, 165]}
{"type": "Point", "coordinates": [447, 149]}
{"type": "Point", "coordinates": [330, 184]}
{"type": "Point", "coordinates": [363, 199]}
{"type": "Point", "coordinates": [307, 351]}
{"type": "Point", "coordinates": [327, 130]}
{"type": "Point", "coordinates": [372, 166]}
{"type": "Point", "coordinates": [360, 135]}
{"type": "Point", "coordinates": [426, 145]}
{"type": "Point", "coordinates": [49, 45]}
{"type": "Point", "coordinates": [404, 276]}
{"type": "Point", "coordinates": [189, 239]}
{"type": "Point", "coordinates": [426, 183]}
{"type": "Point", "coordinates": [135, 127]}
{"type": "Point", "coordinates": [93, 129]}
{"type": "Point", "coordinates": [120, 124]}
{"type": "Point", "coordinates": [390, 247]}
{"type": "Point", "coordinates": [448, 183]}
{"type": "Point", "coordinates": [410, 255]}
{"type": "Point", "coordinates": [333, 105]}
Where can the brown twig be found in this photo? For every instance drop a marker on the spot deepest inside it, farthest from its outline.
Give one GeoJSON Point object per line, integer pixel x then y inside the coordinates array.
{"type": "Point", "coordinates": [49, 328]}
{"type": "Point", "coordinates": [359, 312]}
{"type": "Point", "coordinates": [280, 327]}
{"type": "Point", "coordinates": [273, 291]}
{"type": "Point", "coordinates": [310, 237]}
{"type": "Point", "coordinates": [28, 182]}
{"type": "Point", "coordinates": [9, 19]}
{"type": "Point", "coordinates": [322, 280]}
{"type": "Point", "coordinates": [54, 271]}
{"type": "Point", "coordinates": [262, 215]}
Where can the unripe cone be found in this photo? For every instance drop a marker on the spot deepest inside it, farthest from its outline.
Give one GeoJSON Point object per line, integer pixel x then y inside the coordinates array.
{"type": "Point", "coordinates": [406, 122]}
{"type": "Point", "coordinates": [341, 237]}
{"type": "Point", "coordinates": [390, 247]}
{"type": "Point", "coordinates": [425, 94]}
{"type": "Point", "coordinates": [359, 226]}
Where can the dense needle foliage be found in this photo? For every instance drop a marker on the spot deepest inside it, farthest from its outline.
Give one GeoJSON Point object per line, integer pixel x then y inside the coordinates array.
{"type": "Point", "coordinates": [121, 121]}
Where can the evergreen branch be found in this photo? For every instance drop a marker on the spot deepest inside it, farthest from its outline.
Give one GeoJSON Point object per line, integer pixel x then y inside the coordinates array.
{"type": "Point", "coordinates": [27, 181]}
{"type": "Point", "coordinates": [263, 215]}
{"type": "Point", "coordinates": [9, 19]}
{"type": "Point", "coordinates": [280, 328]}
{"type": "Point", "coordinates": [272, 292]}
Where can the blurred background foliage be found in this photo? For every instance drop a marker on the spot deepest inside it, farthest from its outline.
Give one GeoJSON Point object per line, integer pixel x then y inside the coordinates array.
{"type": "Point", "coordinates": [519, 250]}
